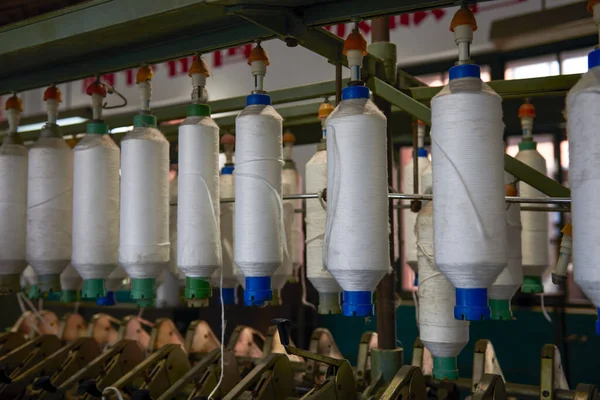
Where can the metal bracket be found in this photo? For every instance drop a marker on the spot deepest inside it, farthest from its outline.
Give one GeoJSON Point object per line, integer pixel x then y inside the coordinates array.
{"type": "Point", "coordinates": [484, 362]}
{"type": "Point", "coordinates": [164, 332]}
{"type": "Point", "coordinates": [368, 340]}
{"type": "Point", "coordinates": [408, 383]}
{"type": "Point", "coordinates": [200, 340]}
{"type": "Point", "coordinates": [72, 327]}
{"type": "Point", "coordinates": [552, 376]}
{"type": "Point", "coordinates": [491, 387]}
{"type": "Point", "coordinates": [321, 342]}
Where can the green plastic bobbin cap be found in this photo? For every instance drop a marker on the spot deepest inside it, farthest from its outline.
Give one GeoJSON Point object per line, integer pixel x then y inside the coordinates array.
{"type": "Point", "coordinates": [198, 110]}
{"type": "Point", "coordinates": [34, 292]}
{"type": "Point", "coordinates": [500, 309]}
{"type": "Point", "coordinates": [329, 303]}
{"type": "Point", "coordinates": [143, 291]}
{"type": "Point", "coordinates": [528, 145]}
{"type": "Point", "coordinates": [144, 121]}
{"type": "Point", "coordinates": [197, 288]}
{"type": "Point", "coordinates": [68, 296]}
{"type": "Point", "coordinates": [93, 288]}
{"type": "Point", "coordinates": [123, 296]}
{"type": "Point", "coordinates": [445, 368]}
{"type": "Point", "coordinates": [10, 284]}
{"type": "Point", "coordinates": [532, 284]}
{"type": "Point", "coordinates": [97, 128]}
{"type": "Point", "coordinates": [49, 283]}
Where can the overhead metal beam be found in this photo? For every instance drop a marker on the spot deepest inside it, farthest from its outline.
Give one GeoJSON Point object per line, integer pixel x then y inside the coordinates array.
{"type": "Point", "coordinates": [399, 99]}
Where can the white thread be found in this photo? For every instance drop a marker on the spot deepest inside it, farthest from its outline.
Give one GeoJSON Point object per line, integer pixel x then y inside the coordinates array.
{"type": "Point", "coordinates": [258, 221]}
{"type": "Point", "coordinates": [96, 206]}
{"type": "Point", "coordinates": [443, 335]}
{"type": "Point", "coordinates": [286, 271]}
{"type": "Point", "coordinates": [198, 215]}
{"type": "Point", "coordinates": [468, 183]}
{"type": "Point", "coordinates": [583, 120]}
{"type": "Point", "coordinates": [534, 239]}
{"type": "Point", "coordinates": [144, 224]}
{"type": "Point", "coordinates": [13, 207]}
{"type": "Point", "coordinates": [223, 325]}
{"type": "Point", "coordinates": [409, 218]}
{"type": "Point", "coordinates": [544, 311]}
{"type": "Point", "coordinates": [70, 279]}
{"type": "Point", "coordinates": [416, 301]}
{"type": "Point", "coordinates": [114, 390]}
{"type": "Point", "coordinates": [356, 235]}
{"type": "Point", "coordinates": [316, 215]}
{"type": "Point", "coordinates": [230, 270]}
{"type": "Point", "coordinates": [511, 277]}
{"type": "Point", "coordinates": [49, 205]}
{"type": "Point", "coordinates": [292, 177]}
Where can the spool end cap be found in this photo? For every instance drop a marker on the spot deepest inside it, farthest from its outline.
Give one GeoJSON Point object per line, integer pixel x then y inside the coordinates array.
{"type": "Point", "coordinates": [258, 99]}
{"type": "Point", "coordinates": [472, 304]}
{"type": "Point", "coordinates": [594, 58]}
{"type": "Point", "coordinates": [143, 291]}
{"type": "Point", "coordinates": [355, 92]}
{"type": "Point", "coordinates": [93, 289]}
{"type": "Point", "coordinates": [258, 290]}
{"type": "Point", "coordinates": [532, 284]}
{"type": "Point", "coordinates": [465, 71]}
{"type": "Point", "coordinates": [68, 296]}
{"type": "Point", "coordinates": [106, 301]}
{"type": "Point", "coordinates": [197, 288]}
{"type": "Point", "coordinates": [501, 310]}
{"type": "Point", "coordinates": [357, 303]}
{"type": "Point", "coordinates": [445, 368]}
{"type": "Point", "coordinates": [228, 296]}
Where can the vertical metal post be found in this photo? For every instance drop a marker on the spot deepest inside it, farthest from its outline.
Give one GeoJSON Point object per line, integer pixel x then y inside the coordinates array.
{"type": "Point", "coordinates": [386, 309]}
{"type": "Point", "coordinates": [338, 83]}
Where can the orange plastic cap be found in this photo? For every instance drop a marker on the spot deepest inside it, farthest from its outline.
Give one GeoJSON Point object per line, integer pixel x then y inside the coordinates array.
{"type": "Point", "coordinates": [324, 110]}
{"type": "Point", "coordinates": [199, 67]}
{"type": "Point", "coordinates": [144, 74]}
{"type": "Point", "coordinates": [228, 139]}
{"type": "Point", "coordinates": [14, 103]}
{"type": "Point", "coordinates": [591, 4]}
{"type": "Point", "coordinates": [96, 88]}
{"type": "Point", "coordinates": [526, 110]}
{"type": "Point", "coordinates": [355, 41]}
{"type": "Point", "coordinates": [53, 92]}
{"type": "Point", "coordinates": [463, 16]}
{"type": "Point", "coordinates": [510, 189]}
{"type": "Point", "coordinates": [289, 137]}
{"type": "Point", "coordinates": [567, 230]}
{"type": "Point", "coordinates": [258, 54]}
{"type": "Point", "coordinates": [422, 123]}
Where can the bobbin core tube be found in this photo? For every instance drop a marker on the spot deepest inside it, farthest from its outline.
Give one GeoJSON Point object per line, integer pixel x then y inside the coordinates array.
{"type": "Point", "coordinates": [258, 290]}
{"type": "Point", "coordinates": [445, 368]}
{"type": "Point", "coordinates": [357, 304]}
{"type": "Point", "coordinates": [472, 304]}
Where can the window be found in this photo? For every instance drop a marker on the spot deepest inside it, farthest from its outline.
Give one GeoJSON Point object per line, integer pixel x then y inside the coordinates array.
{"type": "Point", "coordinates": [532, 68]}
{"type": "Point", "coordinates": [574, 62]}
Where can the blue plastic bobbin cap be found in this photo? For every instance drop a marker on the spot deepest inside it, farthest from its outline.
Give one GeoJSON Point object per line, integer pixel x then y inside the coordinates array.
{"type": "Point", "coordinates": [106, 301]}
{"type": "Point", "coordinates": [465, 71]}
{"type": "Point", "coordinates": [357, 304]}
{"type": "Point", "coordinates": [416, 281]}
{"type": "Point", "coordinates": [258, 290]}
{"type": "Point", "coordinates": [355, 92]}
{"type": "Point", "coordinates": [258, 99]}
{"type": "Point", "coordinates": [598, 324]}
{"type": "Point", "coordinates": [228, 296]}
{"type": "Point", "coordinates": [422, 152]}
{"type": "Point", "coordinates": [472, 304]}
{"type": "Point", "coordinates": [227, 170]}
{"type": "Point", "coordinates": [594, 58]}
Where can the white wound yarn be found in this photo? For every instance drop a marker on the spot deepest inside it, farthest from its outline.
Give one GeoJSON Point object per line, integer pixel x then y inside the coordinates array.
{"type": "Point", "coordinates": [13, 207]}
{"type": "Point", "coordinates": [29, 276]}
{"type": "Point", "coordinates": [70, 279]}
{"type": "Point", "coordinates": [198, 215]}
{"type": "Point", "coordinates": [230, 270]}
{"type": "Point", "coordinates": [173, 268]}
{"type": "Point", "coordinates": [96, 206]}
{"type": "Point", "coordinates": [258, 249]}
{"type": "Point", "coordinates": [511, 277]}
{"type": "Point", "coordinates": [443, 335]}
{"type": "Point", "coordinates": [296, 241]}
{"type": "Point", "coordinates": [534, 238]}
{"type": "Point", "coordinates": [356, 238]}
{"type": "Point", "coordinates": [409, 218]}
{"type": "Point", "coordinates": [286, 270]}
{"type": "Point", "coordinates": [468, 183]}
{"type": "Point", "coordinates": [49, 204]}
{"type": "Point", "coordinates": [316, 182]}
{"type": "Point", "coordinates": [583, 120]}
{"type": "Point", "coordinates": [144, 224]}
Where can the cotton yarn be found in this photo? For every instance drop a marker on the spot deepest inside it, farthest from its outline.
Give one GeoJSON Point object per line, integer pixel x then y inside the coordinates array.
{"type": "Point", "coordinates": [198, 216]}
{"type": "Point", "coordinates": [173, 268]}
{"type": "Point", "coordinates": [443, 335]}
{"type": "Point", "coordinates": [534, 238]}
{"type": "Point", "coordinates": [291, 177]}
{"type": "Point", "coordinates": [356, 238]}
{"type": "Point", "coordinates": [258, 249]}
{"type": "Point", "coordinates": [70, 279]}
{"type": "Point", "coordinates": [49, 206]}
{"type": "Point", "coordinates": [96, 206]}
{"type": "Point", "coordinates": [286, 271]}
{"type": "Point", "coordinates": [468, 186]}
{"type": "Point", "coordinates": [13, 207]}
{"type": "Point", "coordinates": [316, 182]}
{"type": "Point", "coordinates": [511, 277]}
{"type": "Point", "coordinates": [583, 119]}
{"type": "Point", "coordinates": [144, 223]}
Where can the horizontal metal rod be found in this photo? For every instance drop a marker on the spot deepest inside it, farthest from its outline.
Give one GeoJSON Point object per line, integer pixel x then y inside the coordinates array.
{"type": "Point", "coordinates": [408, 196]}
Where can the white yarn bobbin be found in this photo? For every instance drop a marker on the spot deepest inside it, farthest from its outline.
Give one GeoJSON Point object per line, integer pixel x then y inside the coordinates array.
{"type": "Point", "coordinates": [468, 187]}
{"type": "Point", "coordinates": [291, 177]}
{"type": "Point", "coordinates": [534, 238]}
{"type": "Point", "coordinates": [285, 272]}
{"type": "Point", "coordinates": [441, 333]}
{"type": "Point", "coordinates": [583, 119]}
{"type": "Point", "coordinates": [95, 209]}
{"type": "Point", "coordinates": [356, 239]}
{"type": "Point", "coordinates": [316, 215]}
{"type": "Point", "coordinates": [511, 277]}
{"type": "Point", "coordinates": [144, 225]}
{"type": "Point", "coordinates": [259, 232]}
{"type": "Point", "coordinates": [49, 207]}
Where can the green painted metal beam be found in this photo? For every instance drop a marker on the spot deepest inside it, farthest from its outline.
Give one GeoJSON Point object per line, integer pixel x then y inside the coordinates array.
{"type": "Point", "coordinates": [399, 99]}
{"type": "Point", "coordinates": [541, 182]}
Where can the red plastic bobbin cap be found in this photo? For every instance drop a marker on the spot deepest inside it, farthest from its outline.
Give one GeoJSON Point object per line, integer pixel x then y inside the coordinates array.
{"type": "Point", "coordinates": [463, 16]}
{"type": "Point", "coordinates": [355, 41]}
{"type": "Point", "coordinates": [52, 92]}
{"type": "Point", "coordinates": [96, 88]}
{"type": "Point", "coordinates": [14, 103]}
